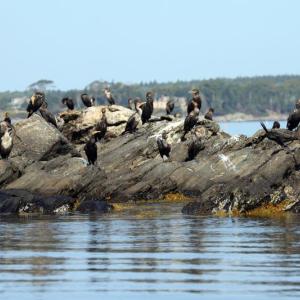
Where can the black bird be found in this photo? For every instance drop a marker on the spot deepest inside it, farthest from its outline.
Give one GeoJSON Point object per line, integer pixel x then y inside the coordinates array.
{"type": "Point", "coordinates": [6, 139]}
{"type": "Point", "coordinates": [87, 100]}
{"type": "Point", "coordinates": [101, 126]}
{"type": "Point", "coordinates": [191, 106]}
{"type": "Point", "coordinates": [297, 104]}
{"type": "Point", "coordinates": [147, 108]}
{"type": "Point", "coordinates": [196, 101]}
{"type": "Point", "coordinates": [163, 147]}
{"type": "Point", "coordinates": [169, 107]}
{"type": "Point", "coordinates": [7, 118]}
{"type": "Point", "coordinates": [68, 102]}
{"type": "Point", "coordinates": [209, 114]}
{"type": "Point", "coordinates": [90, 150]}
{"type": "Point", "coordinates": [196, 145]}
{"type": "Point", "coordinates": [189, 122]}
{"type": "Point", "coordinates": [276, 125]}
{"type": "Point", "coordinates": [47, 115]}
{"type": "Point", "coordinates": [293, 120]}
{"type": "Point", "coordinates": [134, 119]}
{"type": "Point", "coordinates": [110, 99]}
{"type": "Point", "coordinates": [35, 103]}
{"type": "Point", "coordinates": [276, 136]}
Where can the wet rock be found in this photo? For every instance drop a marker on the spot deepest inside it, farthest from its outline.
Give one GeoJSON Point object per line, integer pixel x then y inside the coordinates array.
{"type": "Point", "coordinates": [94, 206]}
{"type": "Point", "coordinates": [22, 201]}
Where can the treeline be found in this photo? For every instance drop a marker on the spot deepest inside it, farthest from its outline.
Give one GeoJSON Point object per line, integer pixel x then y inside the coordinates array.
{"type": "Point", "coordinates": [255, 95]}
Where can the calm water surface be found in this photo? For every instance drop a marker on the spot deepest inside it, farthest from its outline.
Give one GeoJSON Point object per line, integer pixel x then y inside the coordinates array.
{"type": "Point", "coordinates": [247, 128]}
{"type": "Point", "coordinates": [151, 252]}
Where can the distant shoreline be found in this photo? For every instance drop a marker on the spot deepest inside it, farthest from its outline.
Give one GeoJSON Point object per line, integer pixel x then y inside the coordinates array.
{"type": "Point", "coordinates": [241, 117]}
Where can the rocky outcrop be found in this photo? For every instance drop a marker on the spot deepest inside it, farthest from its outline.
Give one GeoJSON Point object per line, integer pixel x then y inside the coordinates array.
{"type": "Point", "coordinates": [38, 141]}
{"type": "Point", "coordinates": [79, 124]}
{"type": "Point", "coordinates": [24, 202]}
{"type": "Point", "coordinates": [229, 175]}
{"type": "Point", "coordinates": [95, 206]}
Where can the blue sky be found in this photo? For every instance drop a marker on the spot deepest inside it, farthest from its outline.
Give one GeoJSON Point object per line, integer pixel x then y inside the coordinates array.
{"type": "Point", "coordinates": [74, 42]}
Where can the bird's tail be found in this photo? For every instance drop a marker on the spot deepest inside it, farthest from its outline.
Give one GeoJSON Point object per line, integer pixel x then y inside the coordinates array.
{"type": "Point", "coordinates": [264, 127]}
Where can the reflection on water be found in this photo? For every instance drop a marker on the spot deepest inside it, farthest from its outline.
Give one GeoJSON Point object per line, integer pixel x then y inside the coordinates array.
{"type": "Point", "coordinates": [164, 256]}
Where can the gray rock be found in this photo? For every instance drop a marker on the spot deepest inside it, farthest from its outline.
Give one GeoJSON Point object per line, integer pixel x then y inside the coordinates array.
{"type": "Point", "coordinates": [230, 174]}
{"type": "Point", "coordinates": [94, 206]}
{"type": "Point", "coordinates": [22, 201]}
{"type": "Point", "coordinates": [40, 141]}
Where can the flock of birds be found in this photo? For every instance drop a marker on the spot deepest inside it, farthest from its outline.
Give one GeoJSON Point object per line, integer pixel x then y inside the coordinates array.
{"type": "Point", "coordinates": [142, 113]}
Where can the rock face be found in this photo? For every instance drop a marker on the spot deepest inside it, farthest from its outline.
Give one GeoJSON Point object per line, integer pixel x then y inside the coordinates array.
{"type": "Point", "coordinates": [21, 201]}
{"type": "Point", "coordinates": [78, 125]}
{"type": "Point", "coordinates": [231, 174]}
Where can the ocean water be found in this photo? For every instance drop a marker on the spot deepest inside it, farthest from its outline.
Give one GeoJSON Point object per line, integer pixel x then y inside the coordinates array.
{"type": "Point", "coordinates": [246, 127]}
{"type": "Point", "coordinates": [150, 252]}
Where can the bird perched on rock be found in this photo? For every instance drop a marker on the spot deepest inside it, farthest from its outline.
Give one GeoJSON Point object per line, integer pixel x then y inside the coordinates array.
{"type": "Point", "coordinates": [47, 115]}
{"type": "Point", "coordinates": [277, 136]}
{"type": "Point", "coordinates": [101, 126]}
{"type": "Point", "coordinates": [68, 102]}
{"type": "Point", "coordinates": [293, 120]}
{"type": "Point", "coordinates": [163, 147]}
{"type": "Point", "coordinates": [147, 108]}
{"type": "Point", "coordinates": [90, 150]}
{"type": "Point", "coordinates": [110, 99]}
{"type": "Point", "coordinates": [35, 102]}
{"type": "Point", "coordinates": [276, 125]}
{"type": "Point", "coordinates": [195, 101]}
{"type": "Point", "coordinates": [87, 100]}
{"type": "Point", "coordinates": [6, 139]}
{"type": "Point", "coordinates": [6, 118]}
{"type": "Point", "coordinates": [189, 122]}
{"type": "Point", "coordinates": [170, 107]}
{"type": "Point", "coordinates": [134, 119]}
{"type": "Point", "coordinates": [197, 144]}
{"type": "Point", "coordinates": [209, 114]}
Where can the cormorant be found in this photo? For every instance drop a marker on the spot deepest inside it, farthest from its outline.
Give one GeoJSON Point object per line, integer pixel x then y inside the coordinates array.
{"type": "Point", "coordinates": [196, 145]}
{"type": "Point", "coordinates": [134, 119]}
{"type": "Point", "coordinates": [6, 139]}
{"type": "Point", "coordinates": [293, 120]}
{"type": "Point", "coordinates": [209, 114]}
{"type": "Point", "coordinates": [68, 102]}
{"type": "Point", "coordinates": [147, 108]}
{"type": "Point", "coordinates": [47, 115]}
{"type": "Point", "coordinates": [276, 125]}
{"type": "Point", "coordinates": [35, 103]}
{"type": "Point", "coordinates": [195, 99]}
{"type": "Point", "coordinates": [297, 104]}
{"type": "Point", "coordinates": [275, 136]}
{"type": "Point", "coordinates": [87, 100]}
{"type": "Point", "coordinates": [101, 126]}
{"type": "Point", "coordinates": [163, 147]}
{"type": "Point", "coordinates": [169, 107]}
{"type": "Point", "coordinates": [189, 122]}
{"type": "Point", "coordinates": [109, 97]}
{"type": "Point", "coordinates": [7, 118]}
{"type": "Point", "coordinates": [90, 150]}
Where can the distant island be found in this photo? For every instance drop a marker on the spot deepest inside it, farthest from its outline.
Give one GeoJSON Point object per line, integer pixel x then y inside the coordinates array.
{"type": "Point", "coordinates": [245, 98]}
